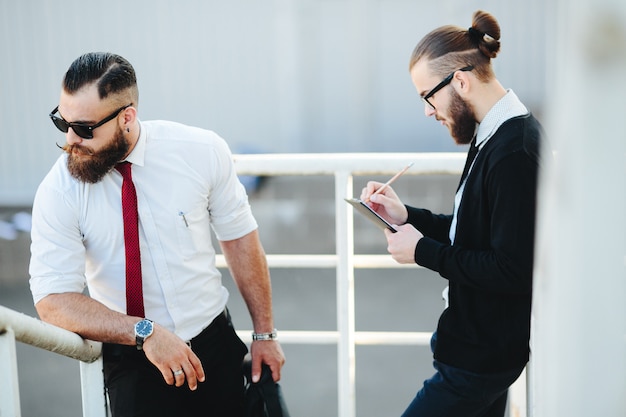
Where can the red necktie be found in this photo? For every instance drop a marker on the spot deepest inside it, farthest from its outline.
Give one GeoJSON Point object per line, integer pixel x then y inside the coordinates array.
{"type": "Point", "coordinates": [134, 290]}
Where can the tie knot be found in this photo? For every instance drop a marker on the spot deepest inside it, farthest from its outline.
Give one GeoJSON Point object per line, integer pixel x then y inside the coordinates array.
{"type": "Point", "coordinates": [124, 169]}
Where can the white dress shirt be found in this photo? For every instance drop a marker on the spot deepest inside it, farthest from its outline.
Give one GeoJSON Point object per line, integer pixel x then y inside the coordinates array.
{"type": "Point", "coordinates": [186, 185]}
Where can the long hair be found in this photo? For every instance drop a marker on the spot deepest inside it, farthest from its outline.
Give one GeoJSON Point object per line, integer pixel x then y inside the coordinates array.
{"type": "Point", "coordinates": [449, 48]}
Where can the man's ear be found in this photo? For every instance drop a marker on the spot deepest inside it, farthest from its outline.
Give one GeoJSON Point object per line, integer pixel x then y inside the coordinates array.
{"type": "Point", "coordinates": [130, 114]}
{"type": "Point", "coordinates": [463, 81]}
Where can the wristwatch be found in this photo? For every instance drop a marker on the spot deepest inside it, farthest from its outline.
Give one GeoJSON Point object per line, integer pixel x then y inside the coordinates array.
{"type": "Point", "coordinates": [143, 330]}
{"type": "Point", "coordinates": [265, 336]}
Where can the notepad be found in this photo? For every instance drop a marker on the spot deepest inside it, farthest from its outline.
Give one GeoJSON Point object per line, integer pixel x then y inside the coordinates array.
{"type": "Point", "coordinates": [370, 214]}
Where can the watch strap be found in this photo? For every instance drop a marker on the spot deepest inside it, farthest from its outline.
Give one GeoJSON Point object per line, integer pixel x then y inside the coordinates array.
{"type": "Point", "coordinates": [265, 336]}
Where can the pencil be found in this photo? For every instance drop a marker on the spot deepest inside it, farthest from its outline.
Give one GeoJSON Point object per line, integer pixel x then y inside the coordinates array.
{"type": "Point", "coordinates": [391, 180]}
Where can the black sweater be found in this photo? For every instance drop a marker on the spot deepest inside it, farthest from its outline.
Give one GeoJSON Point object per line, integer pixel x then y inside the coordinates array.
{"type": "Point", "coordinates": [486, 327]}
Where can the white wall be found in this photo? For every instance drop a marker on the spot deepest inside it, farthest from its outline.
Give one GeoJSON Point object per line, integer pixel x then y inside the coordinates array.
{"type": "Point", "coordinates": [272, 75]}
{"type": "Point", "coordinates": [579, 329]}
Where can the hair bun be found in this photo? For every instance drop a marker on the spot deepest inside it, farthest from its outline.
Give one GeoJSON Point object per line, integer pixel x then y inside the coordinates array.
{"type": "Point", "coordinates": [485, 33]}
{"type": "Point", "coordinates": [475, 34]}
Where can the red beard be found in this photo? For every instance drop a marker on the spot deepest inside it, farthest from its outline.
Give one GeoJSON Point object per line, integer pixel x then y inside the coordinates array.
{"type": "Point", "coordinates": [89, 166]}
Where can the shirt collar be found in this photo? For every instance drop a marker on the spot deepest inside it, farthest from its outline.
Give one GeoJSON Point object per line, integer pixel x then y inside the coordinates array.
{"type": "Point", "coordinates": [138, 153]}
{"type": "Point", "coordinates": [506, 108]}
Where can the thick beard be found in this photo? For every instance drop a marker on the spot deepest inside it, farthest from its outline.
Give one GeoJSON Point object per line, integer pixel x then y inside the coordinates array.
{"type": "Point", "coordinates": [92, 166]}
{"type": "Point", "coordinates": [463, 119]}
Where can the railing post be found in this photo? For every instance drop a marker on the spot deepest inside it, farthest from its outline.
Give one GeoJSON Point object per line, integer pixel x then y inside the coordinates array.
{"type": "Point", "coordinates": [92, 387]}
{"type": "Point", "coordinates": [10, 393]}
{"type": "Point", "coordinates": [345, 295]}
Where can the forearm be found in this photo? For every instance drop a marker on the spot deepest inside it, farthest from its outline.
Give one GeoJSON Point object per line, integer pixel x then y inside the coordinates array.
{"type": "Point", "coordinates": [94, 321]}
{"type": "Point", "coordinates": [87, 317]}
{"type": "Point", "coordinates": [248, 266]}
{"type": "Point", "coordinates": [436, 226]}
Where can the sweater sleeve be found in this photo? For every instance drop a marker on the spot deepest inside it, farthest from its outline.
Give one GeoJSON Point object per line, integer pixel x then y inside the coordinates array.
{"type": "Point", "coordinates": [435, 226]}
{"type": "Point", "coordinates": [493, 250]}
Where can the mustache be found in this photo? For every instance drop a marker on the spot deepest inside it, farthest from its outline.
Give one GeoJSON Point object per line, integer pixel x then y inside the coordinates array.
{"type": "Point", "coordinates": [71, 148]}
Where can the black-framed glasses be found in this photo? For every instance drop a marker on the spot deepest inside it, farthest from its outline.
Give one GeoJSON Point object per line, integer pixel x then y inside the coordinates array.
{"type": "Point", "coordinates": [442, 84]}
{"type": "Point", "coordinates": [83, 130]}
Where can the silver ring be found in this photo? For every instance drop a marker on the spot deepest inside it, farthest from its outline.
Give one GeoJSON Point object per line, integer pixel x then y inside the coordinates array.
{"type": "Point", "coordinates": [179, 372]}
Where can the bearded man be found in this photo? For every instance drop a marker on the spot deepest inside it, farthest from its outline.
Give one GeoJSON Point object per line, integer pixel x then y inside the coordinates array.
{"type": "Point", "coordinates": [484, 249]}
{"type": "Point", "coordinates": [127, 212]}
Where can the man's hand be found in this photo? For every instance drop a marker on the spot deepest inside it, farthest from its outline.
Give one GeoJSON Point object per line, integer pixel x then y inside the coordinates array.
{"type": "Point", "coordinates": [387, 203]}
{"type": "Point", "coordinates": [171, 355]}
{"type": "Point", "coordinates": [270, 353]}
{"type": "Point", "coordinates": [401, 245]}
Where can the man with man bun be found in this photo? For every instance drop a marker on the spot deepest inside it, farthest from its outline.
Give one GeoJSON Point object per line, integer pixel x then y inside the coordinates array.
{"type": "Point", "coordinates": [484, 248]}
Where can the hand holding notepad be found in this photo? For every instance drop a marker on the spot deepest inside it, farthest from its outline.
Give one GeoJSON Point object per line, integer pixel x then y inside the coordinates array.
{"type": "Point", "coordinates": [388, 183]}
{"type": "Point", "coordinates": [363, 208]}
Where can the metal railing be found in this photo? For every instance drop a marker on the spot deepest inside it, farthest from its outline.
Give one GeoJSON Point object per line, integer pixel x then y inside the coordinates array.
{"type": "Point", "coordinates": [14, 326]}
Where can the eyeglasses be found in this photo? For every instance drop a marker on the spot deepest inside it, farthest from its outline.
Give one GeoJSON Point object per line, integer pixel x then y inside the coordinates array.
{"type": "Point", "coordinates": [442, 84]}
{"type": "Point", "coordinates": [81, 129]}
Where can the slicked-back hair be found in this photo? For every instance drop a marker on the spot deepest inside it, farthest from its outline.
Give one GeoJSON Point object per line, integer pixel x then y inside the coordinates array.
{"type": "Point", "coordinates": [449, 48]}
{"type": "Point", "coordinates": [113, 75]}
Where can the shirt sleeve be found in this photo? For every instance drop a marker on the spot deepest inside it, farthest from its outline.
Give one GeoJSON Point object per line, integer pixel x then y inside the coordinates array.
{"type": "Point", "coordinates": [57, 262]}
{"type": "Point", "coordinates": [231, 215]}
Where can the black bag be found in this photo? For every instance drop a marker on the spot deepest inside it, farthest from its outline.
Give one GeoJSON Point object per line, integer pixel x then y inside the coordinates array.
{"type": "Point", "coordinates": [263, 398]}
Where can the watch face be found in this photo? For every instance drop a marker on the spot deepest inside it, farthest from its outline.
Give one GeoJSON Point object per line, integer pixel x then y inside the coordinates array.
{"type": "Point", "coordinates": [144, 328]}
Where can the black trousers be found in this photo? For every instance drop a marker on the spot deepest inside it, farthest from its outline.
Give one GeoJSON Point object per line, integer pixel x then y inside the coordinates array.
{"type": "Point", "coordinates": [136, 387]}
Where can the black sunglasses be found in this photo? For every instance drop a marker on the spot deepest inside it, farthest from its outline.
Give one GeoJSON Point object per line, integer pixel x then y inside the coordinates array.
{"type": "Point", "coordinates": [83, 130]}
{"type": "Point", "coordinates": [442, 84]}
